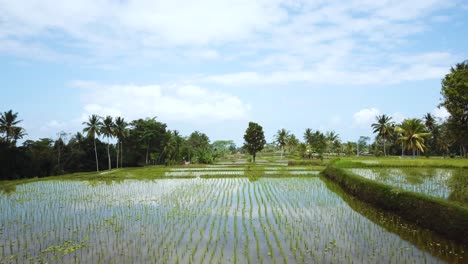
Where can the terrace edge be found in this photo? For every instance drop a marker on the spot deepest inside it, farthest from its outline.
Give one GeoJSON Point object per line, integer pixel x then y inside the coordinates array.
{"type": "Point", "coordinates": [447, 219]}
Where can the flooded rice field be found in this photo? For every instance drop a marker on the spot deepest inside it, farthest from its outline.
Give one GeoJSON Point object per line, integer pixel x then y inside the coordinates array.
{"type": "Point", "coordinates": [215, 220]}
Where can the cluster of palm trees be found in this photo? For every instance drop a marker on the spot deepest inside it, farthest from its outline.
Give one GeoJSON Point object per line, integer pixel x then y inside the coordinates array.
{"type": "Point", "coordinates": [96, 126]}
{"type": "Point", "coordinates": [411, 133]}
{"type": "Point", "coordinates": [315, 141]}
{"type": "Point", "coordinates": [9, 128]}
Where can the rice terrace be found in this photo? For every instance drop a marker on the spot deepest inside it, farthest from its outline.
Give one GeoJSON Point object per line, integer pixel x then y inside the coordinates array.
{"type": "Point", "coordinates": [263, 213]}
{"type": "Point", "coordinates": [233, 132]}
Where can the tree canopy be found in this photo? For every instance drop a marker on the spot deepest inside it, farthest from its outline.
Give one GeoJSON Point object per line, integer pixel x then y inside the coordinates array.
{"type": "Point", "coordinates": [455, 100]}
{"type": "Point", "coordinates": [254, 139]}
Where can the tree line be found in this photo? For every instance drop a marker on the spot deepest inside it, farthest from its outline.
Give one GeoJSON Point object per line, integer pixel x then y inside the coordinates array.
{"type": "Point", "coordinates": [111, 142]}
{"type": "Point", "coordinates": [105, 143]}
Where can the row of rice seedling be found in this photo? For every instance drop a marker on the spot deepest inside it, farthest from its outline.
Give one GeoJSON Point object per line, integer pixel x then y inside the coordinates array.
{"type": "Point", "coordinates": [218, 220]}
{"type": "Point", "coordinates": [449, 184]}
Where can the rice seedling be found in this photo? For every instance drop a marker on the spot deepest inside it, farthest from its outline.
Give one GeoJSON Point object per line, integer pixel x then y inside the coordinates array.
{"type": "Point", "coordinates": [293, 219]}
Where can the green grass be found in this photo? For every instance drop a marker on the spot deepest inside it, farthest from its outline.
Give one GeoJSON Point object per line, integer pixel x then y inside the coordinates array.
{"type": "Point", "coordinates": [434, 162]}
{"type": "Point", "coordinates": [444, 217]}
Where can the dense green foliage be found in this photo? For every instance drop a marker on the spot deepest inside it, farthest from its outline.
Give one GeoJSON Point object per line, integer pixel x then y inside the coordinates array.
{"type": "Point", "coordinates": [138, 143]}
{"type": "Point", "coordinates": [455, 99]}
{"type": "Point", "coordinates": [254, 139]}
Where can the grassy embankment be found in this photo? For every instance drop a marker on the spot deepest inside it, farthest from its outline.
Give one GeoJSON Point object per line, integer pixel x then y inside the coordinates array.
{"type": "Point", "coordinates": [440, 215]}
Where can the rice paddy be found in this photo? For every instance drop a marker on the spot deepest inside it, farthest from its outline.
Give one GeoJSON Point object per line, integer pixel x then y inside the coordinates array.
{"type": "Point", "coordinates": [294, 219]}
{"type": "Point", "coordinates": [450, 184]}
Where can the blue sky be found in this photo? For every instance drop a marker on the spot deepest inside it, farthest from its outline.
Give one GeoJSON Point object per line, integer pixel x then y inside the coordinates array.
{"type": "Point", "coordinates": [215, 65]}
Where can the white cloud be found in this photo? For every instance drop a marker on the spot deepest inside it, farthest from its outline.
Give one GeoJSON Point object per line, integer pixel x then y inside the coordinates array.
{"type": "Point", "coordinates": [53, 125]}
{"type": "Point", "coordinates": [364, 118]}
{"type": "Point", "coordinates": [398, 117]}
{"type": "Point", "coordinates": [280, 41]}
{"type": "Point", "coordinates": [441, 113]}
{"type": "Point", "coordinates": [185, 103]}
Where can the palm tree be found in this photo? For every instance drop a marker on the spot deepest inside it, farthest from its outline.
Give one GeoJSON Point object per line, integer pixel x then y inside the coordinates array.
{"type": "Point", "coordinates": [331, 136]}
{"type": "Point", "coordinates": [8, 122]}
{"type": "Point", "coordinates": [384, 128]}
{"type": "Point", "coordinates": [93, 129]}
{"type": "Point", "coordinates": [107, 130]}
{"type": "Point", "coordinates": [429, 121]}
{"type": "Point", "coordinates": [292, 143]}
{"type": "Point", "coordinates": [308, 136]}
{"type": "Point", "coordinates": [121, 132]}
{"type": "Point", "coordinates": [282, 139]}
{"type": "Point", "coordinates": [413, 134]}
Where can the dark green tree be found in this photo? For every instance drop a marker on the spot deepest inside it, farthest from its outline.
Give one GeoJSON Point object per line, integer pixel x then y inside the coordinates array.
{"type": "Point", "coordinates": [254, 139]}
{"type": "Point", "coordinates": [9, 128]}
{"type": "Point", "coordinates": [121, 132]}
{"type": "Point", "coordinates": [93, 130]}
{"type": "Point", "coordinates": [383, 128]}
{"type": "Point", "coordinates": [455, 100]}
{"type": "Point", "coordinates": [107, 130]}
{"type": "Point", "coordinates": [281, 139]}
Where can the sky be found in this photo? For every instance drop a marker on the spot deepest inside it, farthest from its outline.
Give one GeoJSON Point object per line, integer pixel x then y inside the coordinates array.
{"type": "Point", "coordinates": [215, 65]}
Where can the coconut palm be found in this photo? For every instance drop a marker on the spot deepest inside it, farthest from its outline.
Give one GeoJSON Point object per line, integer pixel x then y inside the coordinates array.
{"type": "Point", "coordinates": [93, 130]}
{"type": "Point", "coordinates": [413, 134]}
{"type": "Point", "coordinates": [281, 139]}
{"type": "Point", "coordinates": [331, 136]}
{"type": "Point", "coordinates": [292, 142]}
{"type": "Point", "coordinates": [121, 132]}
{"type": "Point", "coordinates": [8, 126]}
{"type": "Point", "coordinates": [107, 130]}
{"type": "Point", "coordinates": [308, 136]}
{"type": "Point", "coordinates": [384, 128]}
{"type": "Point", "coordinates": [429, 121]}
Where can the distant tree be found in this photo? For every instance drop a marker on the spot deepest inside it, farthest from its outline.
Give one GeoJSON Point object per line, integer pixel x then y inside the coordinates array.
{"type": "Point", "coordinates": [223, 147]}
{"type": "Point", "coordinates": [362, 144]}
{"type": "Point", "coordinates": [455, 100]}
{"type": "Point", "coordinates": [350, 148]}
{"type": "Point", "coordinates": [429, 121]}
{"type": "Point", "coordinates": [107, 129]}
{"type": "Point", "coordinates": [308, 136]}
{"type": "Point", "coordinates": [331, 137]}
{"type": "Point", "coordinates": [254, 139]}
{"type": "Point", "coordinates": [281, 139]}
{"type": "Point", "coordinates": [432, 126]}
{"type": "Point", "coordinates": [121, 132]}
{"type": "Point", "coordinates": [93, 130]}
{"type": "Point", "coordinates": [413, 134]}
{"type": "Point", "coordinates": [8, 127]}
{"type": "Point", "coordinates": [292, 143]}
{"type": "Point", "coordinates": [199, 147]}
{"type": "Point", "coordinates": [147, 136]}
{"type": "Point", "coordinates": [383, 128]}
{"type": "Point", "coordinates": [319, 142]}
{"type": "Point", "coordinates": [60, 146]}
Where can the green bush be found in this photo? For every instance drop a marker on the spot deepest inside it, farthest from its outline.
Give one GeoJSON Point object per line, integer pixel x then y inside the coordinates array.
{"type": "Point", "coordinates": [441, 216]}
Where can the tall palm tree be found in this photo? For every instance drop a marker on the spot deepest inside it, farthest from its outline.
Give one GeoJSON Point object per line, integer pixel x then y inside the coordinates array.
{"type": "Point", "coordinates": [292, 143]}
{"type": "Point", "coordinates": [331, 136]}
{"type": "Point", "coordinates": [121, 132]}
{"type": "Point", "coordinates": [384, 128]}
{"type": "Point", "coordinates": [107, 130]}
{"type": "Point", "coordinates": [413, 134]}
{"type": "Point", "coordinates": [308, 136]}
{"type": "Point", "coordinates": [282, 139]}
{"type": "Point", "coordinates": [8, 126]}
{"type": "Point", "coordinates": [93, 130]}
{"type": "Point", "coordinates": [429, 121]}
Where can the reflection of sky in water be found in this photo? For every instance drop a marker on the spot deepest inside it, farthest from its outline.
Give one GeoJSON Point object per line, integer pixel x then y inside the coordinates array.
{"type": "Point", "coordinates": [442, 183]}
{"type": "Point", "coordinates": [187, 220]}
